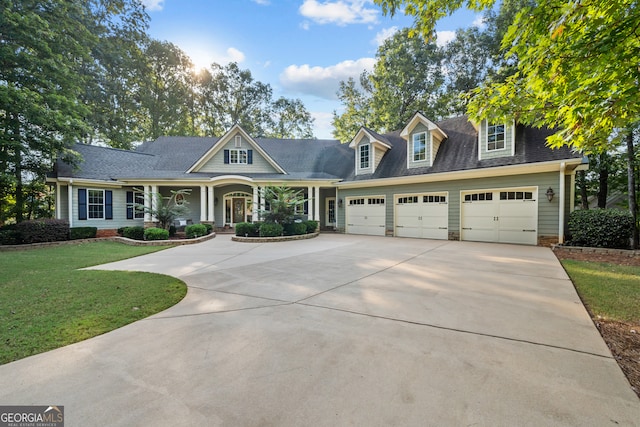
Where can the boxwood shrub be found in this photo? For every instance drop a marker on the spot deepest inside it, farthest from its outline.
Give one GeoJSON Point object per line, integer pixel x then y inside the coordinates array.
{"type": "Point", "coordinates": [270, 229]}
{"type": "Point", "coordinates": [82, 232]}
{"type": "Point", "coordinates": [248, 229]}
{"type": "Point", "coordinates": [600, 228]}
{"type": "Point", "coordinates": [209, 228]}
{"type": "Point", "coordinates": [135, 233]}
{"type": "Point", "coordinates": [195, 230]}
{"type": "Point", "coordinates": [312, 226]}
{"type": "Point", "coordinates": [9, 235]}
{"type": "Point", "coordinates": [43, 230]}
{"type": "Point", "coordinates": [295, 229]}
{"type": "Point", "coordinates": [155, 233]}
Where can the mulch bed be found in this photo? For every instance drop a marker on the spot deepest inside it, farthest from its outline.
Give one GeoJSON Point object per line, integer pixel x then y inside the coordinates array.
{"type": "Point", "coordinates": [623, 339]}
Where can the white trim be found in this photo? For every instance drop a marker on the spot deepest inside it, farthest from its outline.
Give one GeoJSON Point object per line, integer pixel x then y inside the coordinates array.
{"type": "Point", "coordinates": [418, 117]}
{"type": "Point", "coordinates": [70, 203]}
{"type": "Point", "coordinates": [372, 140]}
{"type": "Point", "coordinates": [513, 138]}
{"type": "Point", "coordinates": [104, 205]}
{"type": "Point", "coordinates": [235, 195]}
{"type": "Point", "coordinates": [316, 204]}
{"type": "Point", "coordinates": [211, 217]}
{"type": "Point", "coordinates": [58, 202]}
{"type": "Point", "coordinates": [561, 204]}
{"type": "Point", "coordinates": [504, 139]}
{"type": "Point", "coordinates": [327, 200]}
{"type": "Point", "coordinates": [203, 203]}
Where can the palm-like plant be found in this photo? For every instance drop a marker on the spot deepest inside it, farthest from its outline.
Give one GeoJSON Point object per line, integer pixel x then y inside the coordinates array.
{"type": "Point", "coordinates": [283, 202]}
{"type": "Point", "coordinates": [166, 208]}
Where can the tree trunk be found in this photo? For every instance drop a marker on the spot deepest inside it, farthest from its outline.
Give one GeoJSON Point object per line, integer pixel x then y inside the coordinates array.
{"type": "Point", "coordinates": [633, 206]}
{"type": "Point", "coordinates": [582, 184]}
{"type": "Point", "coordinates": [603, 181]}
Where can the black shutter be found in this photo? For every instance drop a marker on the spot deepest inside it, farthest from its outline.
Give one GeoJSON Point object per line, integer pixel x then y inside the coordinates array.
{"type": "Point", "coordinates": [129, 204]}
{"type": "Point", "coordinates": [82, 203]}
{"type": "Point", "coordinates": [108, 204]}
{"type": "Point", "coordinates": [250, 157]}
{"type": "Point", "coordinates": [226, 157]}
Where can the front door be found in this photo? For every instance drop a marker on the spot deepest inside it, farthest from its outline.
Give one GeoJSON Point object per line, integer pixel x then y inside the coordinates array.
{"type": "Point", "coordinates": [238, 209]}
{"type": "Point", "coordinates": [330, 220]}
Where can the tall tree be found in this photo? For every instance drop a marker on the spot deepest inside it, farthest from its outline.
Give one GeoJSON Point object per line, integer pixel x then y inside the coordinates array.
{"type": "Point", "coordinates": [44, 46]}
{"type": "Point", "coordinates": [290, 119]}
{"type": "Point", "coordinates": [358, 111]}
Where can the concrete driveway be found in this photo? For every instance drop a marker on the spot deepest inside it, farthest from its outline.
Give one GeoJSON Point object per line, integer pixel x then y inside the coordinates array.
{"type": "Point", "coordinates": [343, 330]}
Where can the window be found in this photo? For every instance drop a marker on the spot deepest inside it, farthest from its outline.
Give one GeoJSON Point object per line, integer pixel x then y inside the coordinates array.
{"type": "Point", "coordinates": [407, 199]}
{"type": "Point", "coordinates": [478, 197]}
{"type": "Point", "coordinates": [495, 137]}
{"type": "Point", "coordinates": [95, 204]}
{"type": "Point", "coordinates": [238, 156]}
{"type": "Point", "coordinates": [364, 156]}
{"type": "Point", "coordinates": [516, 195]}
{"type": "Point", "coordinates": [356, 202]}
{"type": "Point", "coordinates": [375, 201]}
{"type": "Point", "coordinates": [135, 201]}
{"type": "Point", "coordinates": [419, 147]}
{"type": "Point", "coordinates": [238, 141]}
{"type": "Point", "coordinates": [434, 199]}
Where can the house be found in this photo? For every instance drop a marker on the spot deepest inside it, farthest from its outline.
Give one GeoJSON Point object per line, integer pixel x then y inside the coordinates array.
{"type": "Point", "coordinates": [452, 179]}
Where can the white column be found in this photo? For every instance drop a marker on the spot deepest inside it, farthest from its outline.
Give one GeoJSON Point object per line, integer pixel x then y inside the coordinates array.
{"type": "Point", "coordinates": [58, 204]}
{"type": "Point", "coordinates": [254, 204]}
{"type": "Point", "coordinates": [211, 217]}
{"type": "Point", "coordinates": [310, 202]}
{"type": "Point", "coordinates": [572, 192]}
{"type": "Point", "coordinates": [262, 205]}
{"type": "Point", "coordinates": [147, 203]}
{"type": "Point", "coordinates": [70, 203]}
{"type": "Point", "coordinates": [561, 205]}
{"type": "Point", "coordinates": [203, 203]}
{"type": "Point", "coordinates": [316, 204]}
{"type": "Point", "coordinates": [155, 198]}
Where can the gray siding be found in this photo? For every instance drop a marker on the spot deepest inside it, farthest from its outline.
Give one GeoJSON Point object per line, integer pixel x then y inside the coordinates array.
{"type": "Point", "coordinates": [216, 163]}
{"type": "Point", "coordinates": [508, 141]}
{"type": "Point", "coordinates": [547, 212]}
{"type": "Point", "coordinates": [119, 211]}
{"type": "Point", "coordinates": [63, 196]}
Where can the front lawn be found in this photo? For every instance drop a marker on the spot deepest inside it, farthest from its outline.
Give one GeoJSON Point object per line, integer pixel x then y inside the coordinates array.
{"type": "Point", "coordinates": [608, 290]}
{"type": "Point", "coordinates": [46, 302]}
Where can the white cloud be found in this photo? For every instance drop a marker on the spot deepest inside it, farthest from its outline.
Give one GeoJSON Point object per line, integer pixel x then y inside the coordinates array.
{"type": "Point", "coordinates": [151, 5]}
{"type": "Point", "coordinates": [262, 2]}
{"type": "Point", "coordinates": [323, 81]}
{"type": "Point", "coordinates": [444, 37]}
{"type": "Point", "coordinates": [233, 55]}
{"type": "Point", "coordinates": [479, 22]}
{"type": "Point", "coordinates": [341, 12]}
{"type": "Point", "coordinates": [384, 34]}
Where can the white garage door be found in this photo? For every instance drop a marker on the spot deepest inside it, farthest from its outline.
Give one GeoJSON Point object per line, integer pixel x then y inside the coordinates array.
{"type": "Point", "coordinates": [422, 215]}
{"type": "Point", "coordinates": [505, 216]}
{"type": "Point", "coordinates": [366, 215]}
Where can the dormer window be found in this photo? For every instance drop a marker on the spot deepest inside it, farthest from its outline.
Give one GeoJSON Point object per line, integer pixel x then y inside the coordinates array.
{"type": "Point", "coordinates": [419, 147]}
{"type": "Point", "coordinates": [364, 156]}
{"type": "Point", "coordinates": [495, 137]}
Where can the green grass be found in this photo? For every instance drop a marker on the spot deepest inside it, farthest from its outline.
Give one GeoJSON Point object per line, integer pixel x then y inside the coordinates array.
{"type": "Point", "coordinates": [46, 302]}
{"type": "Point", "coordinates": [608, 290]}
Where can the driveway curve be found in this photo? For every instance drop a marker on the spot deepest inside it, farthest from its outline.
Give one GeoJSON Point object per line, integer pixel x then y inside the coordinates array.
{"type": "Point", "coordinates": [342, 330]}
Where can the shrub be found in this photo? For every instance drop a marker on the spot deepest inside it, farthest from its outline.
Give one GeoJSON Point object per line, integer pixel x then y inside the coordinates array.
{"type": "Point", "coordinates": [135, 233]}
{"type": "Point", "coordinates": [601, 228]}
{"type": "Point", "coordinates": [120, 231]}
{"type": "Point", "coordinates": [248, 229]}
{"type": "Point", "coordinates": [155, 233]}
{"type": "Point", "coordinates": [9, 235]}
{"type": "Point", "coordinates": [82, 232]}
{"type": "Point", "coordinates": [312, 226]}
{"type": "Point", "coordinates": [270, 229]}
{"type": "Point", "coordinates": [295, 229]}
{"type": "Point", "coordinates": [195, 230]}
{"type": "Point", "coordinates": [172, 230]}
{"type": "Point", "coordinates": [43, 230]}
{"type": "Point", "coordinates": [209, 228]}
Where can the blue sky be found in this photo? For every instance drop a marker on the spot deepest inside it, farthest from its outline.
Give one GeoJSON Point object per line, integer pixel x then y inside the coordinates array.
{"type": "Point", "coordinates": [302, 48]}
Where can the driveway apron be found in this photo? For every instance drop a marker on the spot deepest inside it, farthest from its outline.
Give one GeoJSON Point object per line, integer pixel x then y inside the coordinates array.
{"type": "Point", "coordinates": [342, 330]}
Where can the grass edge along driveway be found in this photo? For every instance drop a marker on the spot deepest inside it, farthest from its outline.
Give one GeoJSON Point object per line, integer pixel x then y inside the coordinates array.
{"type": "Point", "coordinates": [47, 303]}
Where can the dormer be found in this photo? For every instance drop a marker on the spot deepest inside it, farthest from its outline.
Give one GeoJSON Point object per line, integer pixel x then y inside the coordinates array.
{"type": "Point", "coordinates": [423, 141]}
{"type": "Point", "coordinates": [496, 139]}
{"type": "Point", "coordinates": [369, 149]}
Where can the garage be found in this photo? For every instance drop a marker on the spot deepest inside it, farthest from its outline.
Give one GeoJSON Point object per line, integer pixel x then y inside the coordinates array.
{"type": "Point", "coordinates": [423, 216]}
{"type": "Point", "coordinates": [504, 215]}
{"type": "Point", "coordinates": [366, 215]}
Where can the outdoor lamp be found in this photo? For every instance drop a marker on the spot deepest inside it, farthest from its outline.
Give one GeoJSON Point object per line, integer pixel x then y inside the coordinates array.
{"type": "Point", "coordinates": [550, 194]}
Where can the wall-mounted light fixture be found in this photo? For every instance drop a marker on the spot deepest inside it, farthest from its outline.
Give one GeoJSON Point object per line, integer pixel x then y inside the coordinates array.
{"type": "Point", "coordinates": [550, 194]}
{"type": "Point", "coordinates": [215, 201]}
{"type": "Point", "coordinates": [339, 203]}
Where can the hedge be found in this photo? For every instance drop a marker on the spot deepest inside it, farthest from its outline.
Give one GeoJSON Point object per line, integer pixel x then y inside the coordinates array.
{"type": "Point", "coordinates": [248, 229]}
{"type": "Point", "coordinates": [195, 230]}
{"type": "Point", "coordinates": [82, 233]}
{"type": "Point", "coordinates": [600, 228]}
{"type": "Point", "coordinates": [43, 230]}
{"type": "Point", "coordinates": [270, 229]}
{"type": "Point", "coordinates": [295, 229]}
{"type": "Point", "coordinates": [135, 233]}
{"type": "Point", "coordinates": [312, 226]}
{"type": "Point", "coordinates": [155, 233]}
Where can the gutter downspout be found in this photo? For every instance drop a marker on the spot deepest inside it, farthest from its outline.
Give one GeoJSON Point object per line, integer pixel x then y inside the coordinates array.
{"type": "Point", "coordinates": [561, 204]}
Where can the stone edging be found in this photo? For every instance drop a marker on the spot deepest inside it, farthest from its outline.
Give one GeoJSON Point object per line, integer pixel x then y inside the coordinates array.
{"type": "Point", "coordinates": [274, 239]}
{"type": "Point", "coordinates": [124, 240]}
{"type": "Point", "coordinates": [602, 251]}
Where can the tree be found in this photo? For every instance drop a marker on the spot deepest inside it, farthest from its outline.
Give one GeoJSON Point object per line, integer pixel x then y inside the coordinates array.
{"type": "Point", "coordinates": [166, 208]}
{"type": "Point", "coordinates": [44, 47]}
{"type": "Point", "coordinates": [283, 202]}
{"type": "Point", "coordinates": [290, 119]}
{"type": "Point", "coordinates": [358, 109]}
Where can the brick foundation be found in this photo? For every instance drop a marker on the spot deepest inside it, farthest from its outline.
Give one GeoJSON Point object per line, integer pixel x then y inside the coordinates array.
{"type": "Point", "coordinates": [547, 241]}
{"type": "Point", "coordinates": [107, 233]}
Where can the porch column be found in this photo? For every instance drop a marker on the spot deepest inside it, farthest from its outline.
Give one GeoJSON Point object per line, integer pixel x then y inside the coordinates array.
{"type": "Point", "coordinates": [310, 202]}
{"type": "Point", "coordinates": [147, 203]}
{"type": "Point", "coordinates": [254, 204]}
{"type": "Point", "coordinates": [58, 200]}
{"type": "Point", "coordinates": [154, 201]}
{"type": "Point", "coordinates": [203, 203]}
{"type": "Point", "coordinates": [70, 203]}
{"type": "Point", "coordinates": [316, 204]}
{"type": "Point", "coordinates": [211, 218]}
{"type": "Point", "coordinates": [561, 204]}
{"type": "Point", "coordinates": [261, 192]}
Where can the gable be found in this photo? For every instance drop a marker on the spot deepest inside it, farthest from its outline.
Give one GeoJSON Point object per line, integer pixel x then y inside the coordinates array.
{"type": "Point", "coordinates": [369, 149]}
{"type": "Point", "coordinates": [236, 152]}
{"type": "Point", "coordinates": [496, 140]}
{"type": "Point", "coordinates": [423, 141]}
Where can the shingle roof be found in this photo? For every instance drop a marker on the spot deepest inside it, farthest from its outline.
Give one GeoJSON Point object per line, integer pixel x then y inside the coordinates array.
{"type": "Point", "coordinates": [169, 157]}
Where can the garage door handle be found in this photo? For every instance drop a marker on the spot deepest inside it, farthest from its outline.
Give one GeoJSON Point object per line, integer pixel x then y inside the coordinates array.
{"type": "Point", "coordinates": [467, 228]}
{"type": "Point", "coordinates": [442, 228]}
{"type": "Point", "coordinates": [529, 231]}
